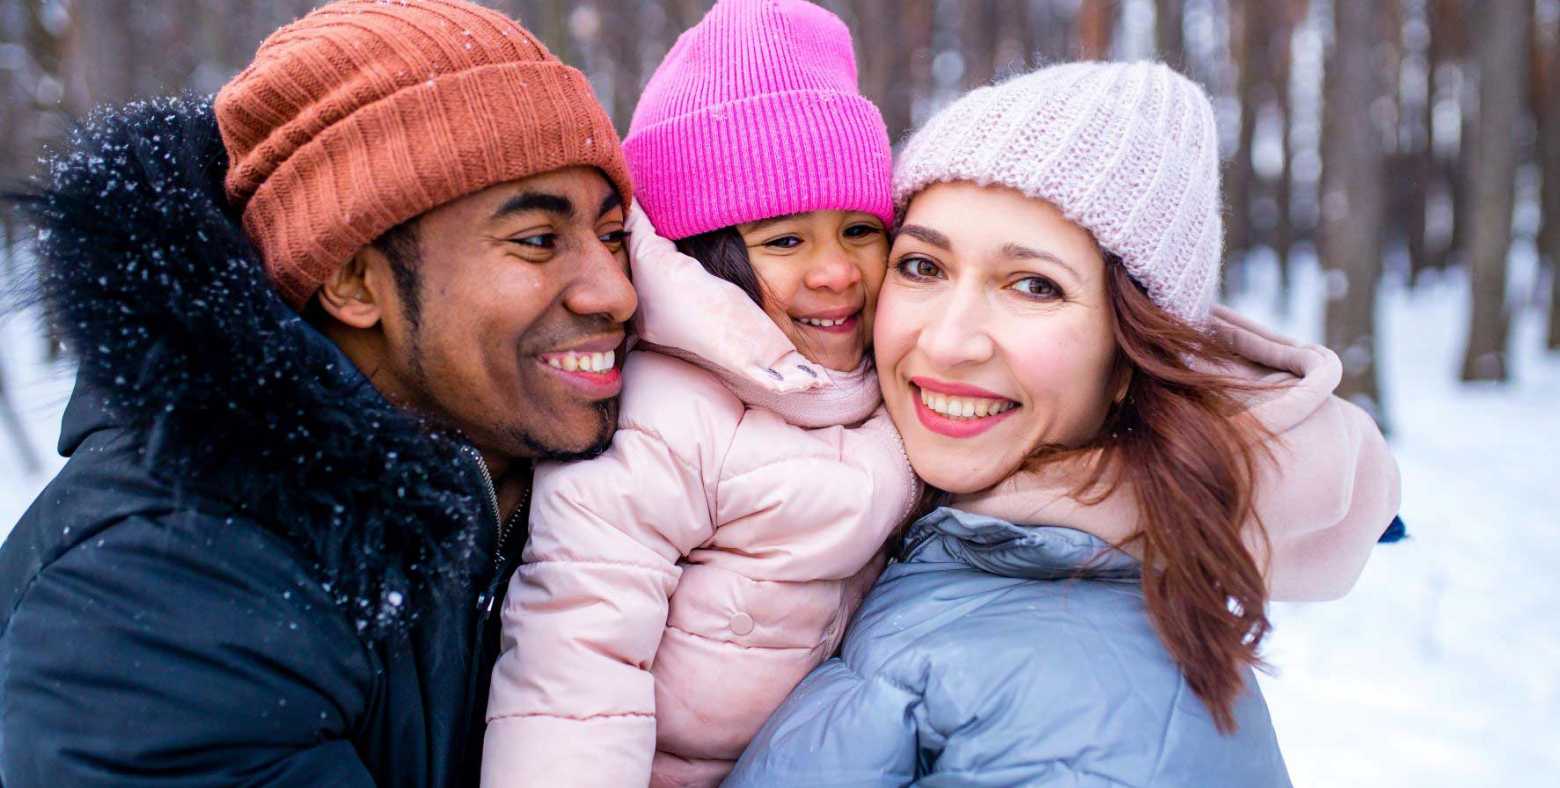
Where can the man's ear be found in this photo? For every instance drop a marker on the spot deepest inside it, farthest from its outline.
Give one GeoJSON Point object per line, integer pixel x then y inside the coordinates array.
{"type": "Point", "coordinates": [353, 295]}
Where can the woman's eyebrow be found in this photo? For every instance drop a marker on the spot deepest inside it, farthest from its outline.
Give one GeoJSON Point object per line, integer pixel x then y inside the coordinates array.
{"type": "Point", "coordinates": [1020, 252]}
{"type": "Point", "coordinates": [927, 235]}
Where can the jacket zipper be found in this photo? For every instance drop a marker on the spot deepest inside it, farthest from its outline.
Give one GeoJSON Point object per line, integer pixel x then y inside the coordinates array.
{"type": "Point", "coordinates": [504, 525]}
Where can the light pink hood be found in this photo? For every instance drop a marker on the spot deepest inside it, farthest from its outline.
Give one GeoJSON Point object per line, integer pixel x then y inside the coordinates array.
{"type": "Point", "coordinates": [1326, 493]}
{"type": "Point", "coordinates": [676, 588]}
{"type": "Point", "coordinates": [686, 313]}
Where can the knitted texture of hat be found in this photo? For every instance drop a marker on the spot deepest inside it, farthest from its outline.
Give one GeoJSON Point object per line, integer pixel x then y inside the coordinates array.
{"type": "Point", "coordinates": [363, 114]}
{"type": "Point", "coordinates": [755, 113]}
{"type": "Point", "coordinates": [1128, 151]}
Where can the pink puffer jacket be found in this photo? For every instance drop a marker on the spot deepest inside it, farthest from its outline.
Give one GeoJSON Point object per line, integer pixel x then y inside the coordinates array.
{"type": "Point", "coordinates": [675, 589]}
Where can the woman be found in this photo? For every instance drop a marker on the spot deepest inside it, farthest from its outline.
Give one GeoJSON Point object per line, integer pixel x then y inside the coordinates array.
{"type": "Point", "coordinates": [1132, 473]}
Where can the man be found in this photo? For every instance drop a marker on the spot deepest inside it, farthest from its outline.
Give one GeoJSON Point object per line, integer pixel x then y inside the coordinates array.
{"type": "Point", "coordinates": [324, 325]}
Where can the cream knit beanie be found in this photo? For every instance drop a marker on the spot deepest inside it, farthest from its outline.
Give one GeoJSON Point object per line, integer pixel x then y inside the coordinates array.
{"type": "Point", "coordinates": [1128, 151]}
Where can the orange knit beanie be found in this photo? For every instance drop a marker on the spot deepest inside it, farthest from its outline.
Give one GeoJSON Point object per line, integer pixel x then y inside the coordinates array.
{"type": "Point", "coordinates": [364, 114]}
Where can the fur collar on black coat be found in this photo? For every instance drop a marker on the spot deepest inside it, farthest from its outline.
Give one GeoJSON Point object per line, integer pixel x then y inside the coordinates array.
{"type": "Point", "coordinates": [164, 301]}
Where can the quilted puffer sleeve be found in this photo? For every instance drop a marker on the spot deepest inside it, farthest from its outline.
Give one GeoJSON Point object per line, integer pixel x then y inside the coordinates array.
{"type": "Point", "coordinates": [802, 517]}
{"type": "Point", "coordinates": [837, 728]}
{"type": "Point", "coordinates": [572, 700]}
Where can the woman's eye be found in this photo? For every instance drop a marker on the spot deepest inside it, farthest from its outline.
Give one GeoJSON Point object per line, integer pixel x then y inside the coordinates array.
{"type": "Point", "coordinates": [614, 239]}
{"type": "Point", "coordinates": [862, 230]}
{"type": "Point", "coordinates": [1038, 287]}
{"type": "Point", "coordinates": [918, 268]}
{"type": "Point", "coordinates": [538, 241]}
{"type": "Point", "coordinates": [784, 242]}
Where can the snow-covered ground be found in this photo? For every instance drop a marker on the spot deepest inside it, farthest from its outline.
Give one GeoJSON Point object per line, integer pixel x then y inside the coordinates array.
{"type": "Point", "coordinates": [1442, 668]}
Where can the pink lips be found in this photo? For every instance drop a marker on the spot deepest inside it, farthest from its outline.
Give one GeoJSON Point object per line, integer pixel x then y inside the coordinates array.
{"type": "Point", "coordinates": [592, 385]}
{"type": "Point", "coordinates": [955, 428]}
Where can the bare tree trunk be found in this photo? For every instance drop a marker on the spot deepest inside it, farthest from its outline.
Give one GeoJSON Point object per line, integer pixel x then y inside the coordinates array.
{"type": "Point", "coordinates": [16, 429]}
{"type": "Point", "coordinates": [1352, 202]}
{"type": "Point", "coordinates": [1096, 22]}
{"type": "Point", "coordinates": [1501, 53]}
{"type": "Point", "coordinates": [1449, 45]}
{"type": "Point", "coordinates": [895, 58]}
{"type": "Point", "coordinates": [624, 36]}
{"type": "Point", "coordinates": [978, 41]}
{"type": "Point", "coordinates": [1169, 35]}
{"type": "Point", "coordinates": [1422, 168]}
{"type": "Point", "coordinates": [50, 38]}
{"type": "Point", "coordinates": [1284, 229]}
{"type": "Point", "coordinates": [1548, 103]}
{"type": "Point", "coordinates": [1248, 47]}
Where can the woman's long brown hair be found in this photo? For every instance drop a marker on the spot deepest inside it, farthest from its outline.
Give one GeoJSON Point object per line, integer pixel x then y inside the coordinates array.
{"type": "Point", "coordinates": [1179, 442]}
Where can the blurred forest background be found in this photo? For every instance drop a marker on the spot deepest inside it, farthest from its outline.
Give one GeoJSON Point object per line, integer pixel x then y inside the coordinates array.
{"type": "Point", "coordinates": [1390, 140]}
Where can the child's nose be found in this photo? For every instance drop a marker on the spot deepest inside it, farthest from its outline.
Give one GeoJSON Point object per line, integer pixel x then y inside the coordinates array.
{"type": "Point", "coordinates": [833, 272]}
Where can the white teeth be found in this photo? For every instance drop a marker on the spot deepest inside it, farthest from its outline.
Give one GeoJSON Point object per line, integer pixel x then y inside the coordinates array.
{"type": "Point", "coordinates": [965, 407]}
{"type": "Point", "coordinates": [821, 323]}
{"type": "Point", "coordinates": [583, 362]}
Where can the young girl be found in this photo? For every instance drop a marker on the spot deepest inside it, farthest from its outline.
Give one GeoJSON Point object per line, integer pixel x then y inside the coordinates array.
{"type": "Point", "coordinates": [1133, 473]}
{"type": "Point", "coordinates": [677, 587]}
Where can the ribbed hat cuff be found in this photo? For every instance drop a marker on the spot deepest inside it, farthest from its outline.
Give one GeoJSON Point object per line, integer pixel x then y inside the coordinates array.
{"type": "Point", "coordinates": [419, 148]}
{"type": "Point", "coordinates": [770, 155]}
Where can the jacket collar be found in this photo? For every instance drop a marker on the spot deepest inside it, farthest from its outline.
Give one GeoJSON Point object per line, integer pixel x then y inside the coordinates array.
{"type": "Point", "coordinates": [999, 547]}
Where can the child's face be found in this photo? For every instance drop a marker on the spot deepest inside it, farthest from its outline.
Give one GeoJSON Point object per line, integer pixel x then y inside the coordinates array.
{"type": "Point", "coordinates": [820, 273]}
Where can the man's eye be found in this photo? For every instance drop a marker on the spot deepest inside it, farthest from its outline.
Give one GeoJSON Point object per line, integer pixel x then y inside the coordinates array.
{"type": "Point", "coordinates": [615, 238]}
{"type": "Point", "coordinates": [918, 268]}
{"type": "Point", "coordinates": [538, 241]}
{"type": "Point", "coordinates": [784, 242]}
{"type": "Point", "coordinates": [862, 230]}
{"type": "Point", "coordinates": [1038, 287]}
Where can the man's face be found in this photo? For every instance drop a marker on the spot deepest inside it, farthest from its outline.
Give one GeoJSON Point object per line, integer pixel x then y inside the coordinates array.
{"type": "Point", "coordinates": [516, 336]}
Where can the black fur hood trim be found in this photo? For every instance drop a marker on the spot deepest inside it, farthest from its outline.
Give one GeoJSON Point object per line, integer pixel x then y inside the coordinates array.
{"type": "Point", "coordinates": [163, 299]}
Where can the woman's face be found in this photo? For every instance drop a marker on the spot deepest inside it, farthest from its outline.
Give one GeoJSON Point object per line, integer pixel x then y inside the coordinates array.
{"type": "Point", "coordinates": [993, 334]}
{"type": "Point", "coordinates": [820, 273]}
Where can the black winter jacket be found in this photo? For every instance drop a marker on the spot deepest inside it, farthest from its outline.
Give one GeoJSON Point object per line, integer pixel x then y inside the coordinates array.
{"type": "Point", "coordinates": [252, 569]}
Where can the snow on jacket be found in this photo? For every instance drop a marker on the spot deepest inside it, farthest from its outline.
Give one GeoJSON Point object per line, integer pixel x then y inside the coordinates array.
{"type": "Point", "coordinates": [984, 659]}
{"type": "Point", "coordinates": [1325, 489]}
{"type": "Point", "coordinates": [214, 590]}
{"type": "Point", "coordinates": [676, 588]}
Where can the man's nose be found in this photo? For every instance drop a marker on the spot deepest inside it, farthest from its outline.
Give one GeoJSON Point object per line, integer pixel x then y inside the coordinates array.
{"type": "Point", "coordinates": [603, 287]}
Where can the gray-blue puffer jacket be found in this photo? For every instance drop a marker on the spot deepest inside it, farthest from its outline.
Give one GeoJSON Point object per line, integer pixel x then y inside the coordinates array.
{"type": "Point", "coordinates": [984, 659]}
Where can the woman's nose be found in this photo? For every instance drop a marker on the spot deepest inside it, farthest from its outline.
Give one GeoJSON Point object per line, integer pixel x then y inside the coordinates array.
{"type": "Point", "coordinates": [953, 332]}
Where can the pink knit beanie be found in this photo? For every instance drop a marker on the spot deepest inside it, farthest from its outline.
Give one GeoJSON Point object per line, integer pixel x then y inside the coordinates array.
{"type": "Point", "coordinates": [1128, 151]}
{"type": "Point", "coordinates": [753, 114]}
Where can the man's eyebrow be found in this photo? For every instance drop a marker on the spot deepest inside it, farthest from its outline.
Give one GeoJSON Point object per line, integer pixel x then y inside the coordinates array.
{"type": "Point", "coordinates": [928, 235]}
{"type": "Point", "coordinates": [535, 201]}
{"type": "Point", "coordinates": [1021, 252]}
{"type": "Point", "coordinates": [613, 200]}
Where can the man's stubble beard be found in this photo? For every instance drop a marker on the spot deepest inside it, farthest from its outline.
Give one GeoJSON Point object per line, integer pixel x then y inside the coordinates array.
{"type": "Point", "coordinates": [515, 440]}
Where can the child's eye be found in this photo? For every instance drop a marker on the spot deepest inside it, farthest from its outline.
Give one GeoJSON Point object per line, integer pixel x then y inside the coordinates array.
{"type": "Point", "coordinates": [918, 268]}
{"type": "Point", "coordinates": [1038, 287]}
{"type": "Point", "coordinates": [862, 230]}
{"type": "Point", "coordinates": [784, 242]}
